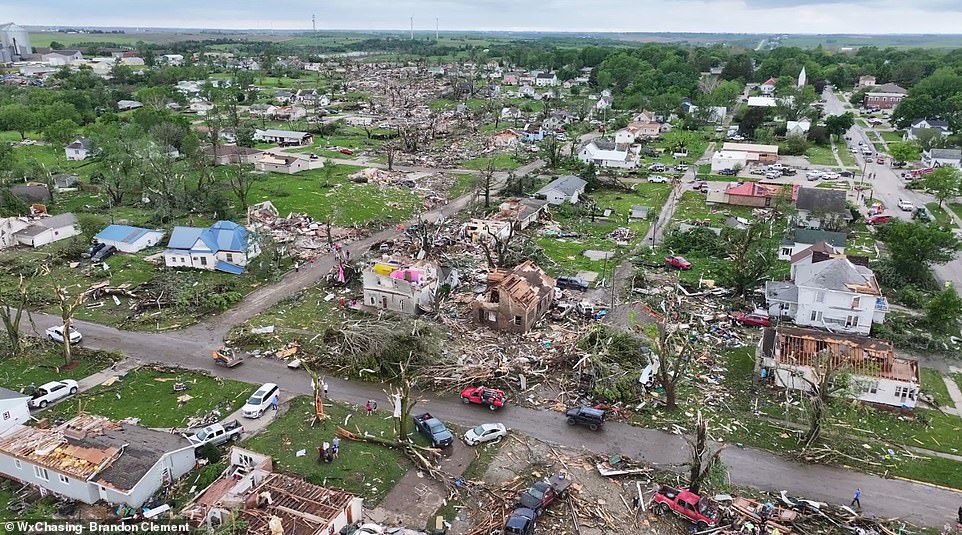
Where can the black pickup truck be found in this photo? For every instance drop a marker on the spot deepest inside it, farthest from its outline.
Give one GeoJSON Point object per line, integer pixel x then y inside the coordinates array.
{"type": "Point", "coordinates": [434, 429]}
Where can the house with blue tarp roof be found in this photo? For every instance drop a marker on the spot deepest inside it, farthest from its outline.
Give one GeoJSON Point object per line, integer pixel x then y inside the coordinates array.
{"type": "Point", "coordinates": [225, 246]}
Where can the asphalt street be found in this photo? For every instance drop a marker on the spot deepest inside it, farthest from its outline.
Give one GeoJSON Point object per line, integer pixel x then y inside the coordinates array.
{"type": "Point", "coordinates": [888, 187]}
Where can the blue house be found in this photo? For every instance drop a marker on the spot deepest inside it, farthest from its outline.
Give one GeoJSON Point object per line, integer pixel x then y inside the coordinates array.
{"type": "Point", "coordinates": [129, 239]}
{"type": "Point", "coordinates": [225, 246]}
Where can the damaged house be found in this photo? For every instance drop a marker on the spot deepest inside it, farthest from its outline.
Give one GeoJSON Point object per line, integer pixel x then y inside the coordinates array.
{"type": "Point", "coordinates": [790, 357]}
{"type": "Point", "coordinates": [563, 189]}
{"type": "Point", "coordinates": [817, 207]}
{"type": "Point", "coordinates": [281, 163]}
{"type": "Point", "coordinates": [270, 502]}
{"type": "Point", "coordinates": [401, 286]}
{"type": "Point", "coordinates": [515, 299]}
{"type": "Point", "coordinates": [831, 292]}
{"type": "Point", "coordinates": [91, 458]}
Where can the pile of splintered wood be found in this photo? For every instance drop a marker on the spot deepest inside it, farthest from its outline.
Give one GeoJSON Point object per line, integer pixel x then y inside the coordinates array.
{"type": "Point", "coordinates": [502, 359]}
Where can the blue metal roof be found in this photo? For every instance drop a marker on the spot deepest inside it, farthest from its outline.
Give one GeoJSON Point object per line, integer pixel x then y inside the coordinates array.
{"type": "Point", "coordinates": [122, 233]}
{"type": "Point", "coordinates": [221, 236]}
{"type": "Point", "coordinates": [234, 269]}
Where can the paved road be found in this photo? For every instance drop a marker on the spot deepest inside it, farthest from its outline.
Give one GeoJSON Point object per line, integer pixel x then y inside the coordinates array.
{"type": "Point", "coordinates": [888, 187]}
{"type": "Point", "coordinates": [747, 466]}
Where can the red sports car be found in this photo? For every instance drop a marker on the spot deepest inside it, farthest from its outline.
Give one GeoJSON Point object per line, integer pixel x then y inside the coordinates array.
{"type": "Point", "coordinates": [752, 320]}
{"type": "Point", "coordinates": [493, 398]}
{"type": "Point", "coordinates": [678, 262]}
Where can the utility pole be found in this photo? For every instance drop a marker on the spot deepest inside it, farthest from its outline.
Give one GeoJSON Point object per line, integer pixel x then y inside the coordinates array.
{"type": "Point", "coordinates": [412, 27]}
{"type": "Point", "coordinates": [313, 23]}
{"type": "Point", "coordinates": [436, 34]}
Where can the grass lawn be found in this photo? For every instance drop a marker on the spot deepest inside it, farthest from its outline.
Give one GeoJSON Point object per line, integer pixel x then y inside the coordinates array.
{"type": "Point", "coordinates": [692, 207]}
{"type": "Point", "coordinates": [941, 217]}
{"type": "Point", "coordinates": [955, 207]}
{"type": "Point", "coordinates": [567, 252]}
{"type": "Point", "coordinates": [148, 394]}
{"type": "Point", "coordinates": [864, 242]}
{"type": "Point", "coordinates": [299, 316]}
{"type": "Point", "coordinates": [891, 136]}
{"type": "Point", "coordinates": [367, 470]}
{"type": "Point", "coordinates": [462, 184]}
{"type": "Point", "coordinates": [349, 203]}
{"type": "Point", "coordinates": [503, 161]}
{"type": "Point", "coordinates": [43, 362]}
{"type": "Point", "coordinates": [847, 157]}
{"type": "Point", "coordinates": [819, 155]}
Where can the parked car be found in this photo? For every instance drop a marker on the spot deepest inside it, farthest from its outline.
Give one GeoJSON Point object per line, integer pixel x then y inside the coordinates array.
{"type": "Point", "coordinates": [521, 522]}
{"type": "Point", "coordinates": [880, 160]}
{"type": "Point", "coordinates": [811, 176]}
{"type": "Point", "coordinates": [847, 174]}
{"type": "Point", "coordinates": [727, 172]}
{"type": "Point", "coordinates": [831, 175]}
{"type": "Point", "coordinates": [678, 262]}
{"type": "Point", "coordinates": [349, 152]}
{"type": "Point", "coordinates": [492, 398]}
{"type": "Point", "coordinates": [878, 219]}
{"type": "Point", "coordinates": [216, 434]}
{"type": "Point", "coordinates": [699, 186]}
{"type": "Point", "coordinates": [92, 250]}
{"type": "Point", "coordinates": [658, 167]}
{"type": "Point", "coordinates": [853, 150]}
{"type": "Point", "coordinates": [103, 254]}
{"type": "Point", "coordinates": [56, 334]}
{"type": "Point", "coordinates": [772, 175]}
{"type": "Point", "coordinates": [905, 206]}
{"type": "Point", "coordinates": [687, 505]}
{"type": "Point", "coordinates": [434, 429]}
{"type": "Point", "coordinates": [681, 168]}
{"type": "Point", "coordinates": [658, 179]}
{"type": "Point", "coordinates": [571, 283]}
{"type": "Point", "coordinates": [485, 433]}
{"type": "Point", "coordinates": [788, 171]}
{"type": "Point", "coordinates": [52, 391]}
{"type": "Point", "coordinates": [260, 401]}
{"type": "Point", "coordinates": [593, 418]}
{"type": "Point", "coordinates": [752, 319]}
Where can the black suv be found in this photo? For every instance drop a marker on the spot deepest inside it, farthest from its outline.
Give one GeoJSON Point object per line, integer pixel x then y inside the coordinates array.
{"type": "Point", "coordinates": [571, 283]}
{"type": "Point", "coordinates": [593, 418]}
{"type": "Point", "coordinates": [521, 522]}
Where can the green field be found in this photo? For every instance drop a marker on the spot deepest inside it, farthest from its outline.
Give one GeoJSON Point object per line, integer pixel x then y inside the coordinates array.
{"type": "Point", "coordinates": [148, 395]}
{"type": "Point", "coordinates": [819, 155]}
{"type": "Point", "coordinates": [367, 470]}
{"type": "Point", "coordinates": [349, 203]}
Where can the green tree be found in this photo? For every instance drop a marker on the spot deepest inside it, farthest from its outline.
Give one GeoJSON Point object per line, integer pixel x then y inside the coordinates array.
{"type": "Point", "coordinates": [7, 157]}
{"type": "Point", "coordinates": [905, 151]}
{"type": "Point", "coordinates": [750, 258]}
{"type": "Point", "coordinates": [944, 311]}
{"type": "Point", "coordinates": [18, 118]}
{"type": "Point", "coordinates": [943, 182]}
{"type": "Point", "coordinates": [56, 45]}
{"type": "Point", "coordinates": [60, 132]}
{"type": "Point", "coordinates": [914, 247]}
{"type": "Point", "coordinates": [837, 125]}
{"type": "Point", "coordinates": [739, 67]}
{"type": "Point", "coordinates": [794, 145]}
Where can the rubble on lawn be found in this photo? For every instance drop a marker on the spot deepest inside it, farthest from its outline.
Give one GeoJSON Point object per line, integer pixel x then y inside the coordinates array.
{"type": "Point", "coordinates": [304, 237]}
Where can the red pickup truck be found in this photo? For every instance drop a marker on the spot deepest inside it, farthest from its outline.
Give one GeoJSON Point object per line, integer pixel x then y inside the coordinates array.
{"type": "Point", "coordinates": [701, 511]}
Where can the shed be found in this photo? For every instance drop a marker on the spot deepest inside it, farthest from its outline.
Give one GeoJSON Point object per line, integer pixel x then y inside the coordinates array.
{"type": "Point", "coordinates": [129, 239]}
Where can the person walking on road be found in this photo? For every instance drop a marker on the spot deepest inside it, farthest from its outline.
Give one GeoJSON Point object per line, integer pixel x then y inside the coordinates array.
{"type": "Point", "coordinates": [960, 514]}
{"type": "Point", "coordinates": [274, 401]}
{"type": "Point", "coordinates": [855, 501]}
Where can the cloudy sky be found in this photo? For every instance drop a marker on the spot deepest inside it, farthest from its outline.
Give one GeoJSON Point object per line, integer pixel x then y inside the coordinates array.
{"type": "Point", "coordinates": [737, 16]}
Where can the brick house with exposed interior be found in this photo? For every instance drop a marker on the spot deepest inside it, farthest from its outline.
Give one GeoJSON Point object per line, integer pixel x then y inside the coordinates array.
{"type": "Point", "coordinates": [789, 357]}
{"type": "Point", "coordinates": [515, 298]}
{"type": "Point", "coordinates": [755, 194]}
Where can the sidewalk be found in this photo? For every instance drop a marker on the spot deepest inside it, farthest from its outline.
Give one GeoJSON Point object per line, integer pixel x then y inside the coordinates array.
{"type": "Point", "coordinates": [119, 369]}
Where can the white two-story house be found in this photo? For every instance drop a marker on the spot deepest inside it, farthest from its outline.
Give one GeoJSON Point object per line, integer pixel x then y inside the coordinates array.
{"type": "Point", "coordinates": [400, 286]}
{"type": "Point", "coordinates": [829, 292]}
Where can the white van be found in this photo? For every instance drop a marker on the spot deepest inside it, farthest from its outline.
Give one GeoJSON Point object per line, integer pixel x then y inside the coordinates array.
{"type": "Point", "coordinates": [260, 401]}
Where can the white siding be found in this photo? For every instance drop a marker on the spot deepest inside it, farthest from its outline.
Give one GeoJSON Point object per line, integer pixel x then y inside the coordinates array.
{"type": "Point", "coordinates": [836, 311]}
{"type": "Point", "coordinates": [12, 412]}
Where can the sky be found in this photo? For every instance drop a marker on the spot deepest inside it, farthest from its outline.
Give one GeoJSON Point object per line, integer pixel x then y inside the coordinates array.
{"type": "Point", "coordinates": [735, 16]}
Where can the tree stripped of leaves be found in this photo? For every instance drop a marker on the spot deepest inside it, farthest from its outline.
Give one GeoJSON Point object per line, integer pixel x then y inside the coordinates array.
{"type": "Point", "coordinates": [241, 180]}
{"type": "Point", "coordinates": [702, 457]}
{"type": "Point", "coordinates": [68, 305]}
{"type": "Point", "coordinates": [674, 349]}
{"type": "Point", "coordinates": [12, 307]}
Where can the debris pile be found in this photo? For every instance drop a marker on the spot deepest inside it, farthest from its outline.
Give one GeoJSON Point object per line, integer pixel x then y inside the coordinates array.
{"type": "Point", "coordinates": [304, 237]}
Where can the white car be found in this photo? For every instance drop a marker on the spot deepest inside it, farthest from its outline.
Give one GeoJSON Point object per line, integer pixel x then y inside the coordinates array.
{"type": "Point", "coordinates": [905, 206]}
{"type": "Point", "coordinates": [657, 179]}
{"type": "Point", "coordinates": [51, 392]}
{"type": "Point", "coordinates": [831, 175]}
{"type": "Point", "coordinates": [56, 334]}
{"type": "Point", "coordinates": [485, 433]}
{"type": "Point", "coordinates": [814, 175]}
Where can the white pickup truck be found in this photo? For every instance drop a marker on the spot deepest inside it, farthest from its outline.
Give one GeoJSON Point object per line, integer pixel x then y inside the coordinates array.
{"type": "Point", "coordinates": [216, 434]}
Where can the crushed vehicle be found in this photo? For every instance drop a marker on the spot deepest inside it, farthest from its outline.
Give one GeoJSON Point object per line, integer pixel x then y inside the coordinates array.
{"type": "Point", "coordinates": [677, 262]}
{"type": "Point", "coordinates": [700, 511]}
{"type": "Point", "coordinates": [542, 494]}
{"type": "Point", "coordinates": [492, 398]}
{"type": "Point", "coordinates": [434, 429]}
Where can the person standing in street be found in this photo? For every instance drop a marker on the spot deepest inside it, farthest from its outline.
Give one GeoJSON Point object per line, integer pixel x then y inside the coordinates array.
{"type": "Point", "coordinates": [855, 501]}
{"type": "Point", "coordinates": [960, 514]}
{"type": "Point", "coordinates": [274, 401]}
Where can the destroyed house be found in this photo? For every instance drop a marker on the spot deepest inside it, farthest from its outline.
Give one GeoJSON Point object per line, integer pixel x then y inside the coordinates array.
{"type": "Point", "coordinates": [281, 163]}
{"type": "Point", "coordinates": [521, 212]}
{"type": "Point", "coordinates": [400, 286]}
{"type": "Point", "coordinates": [249, 489]}
{"type": "Point", "coordinates": [515, 299]}
{"type": "Point", "coordinates": [91, 458]}
{"type": "Point", "coordinates": [791, 357]}
{"type": "Point", "coordinates": [283, 137]}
